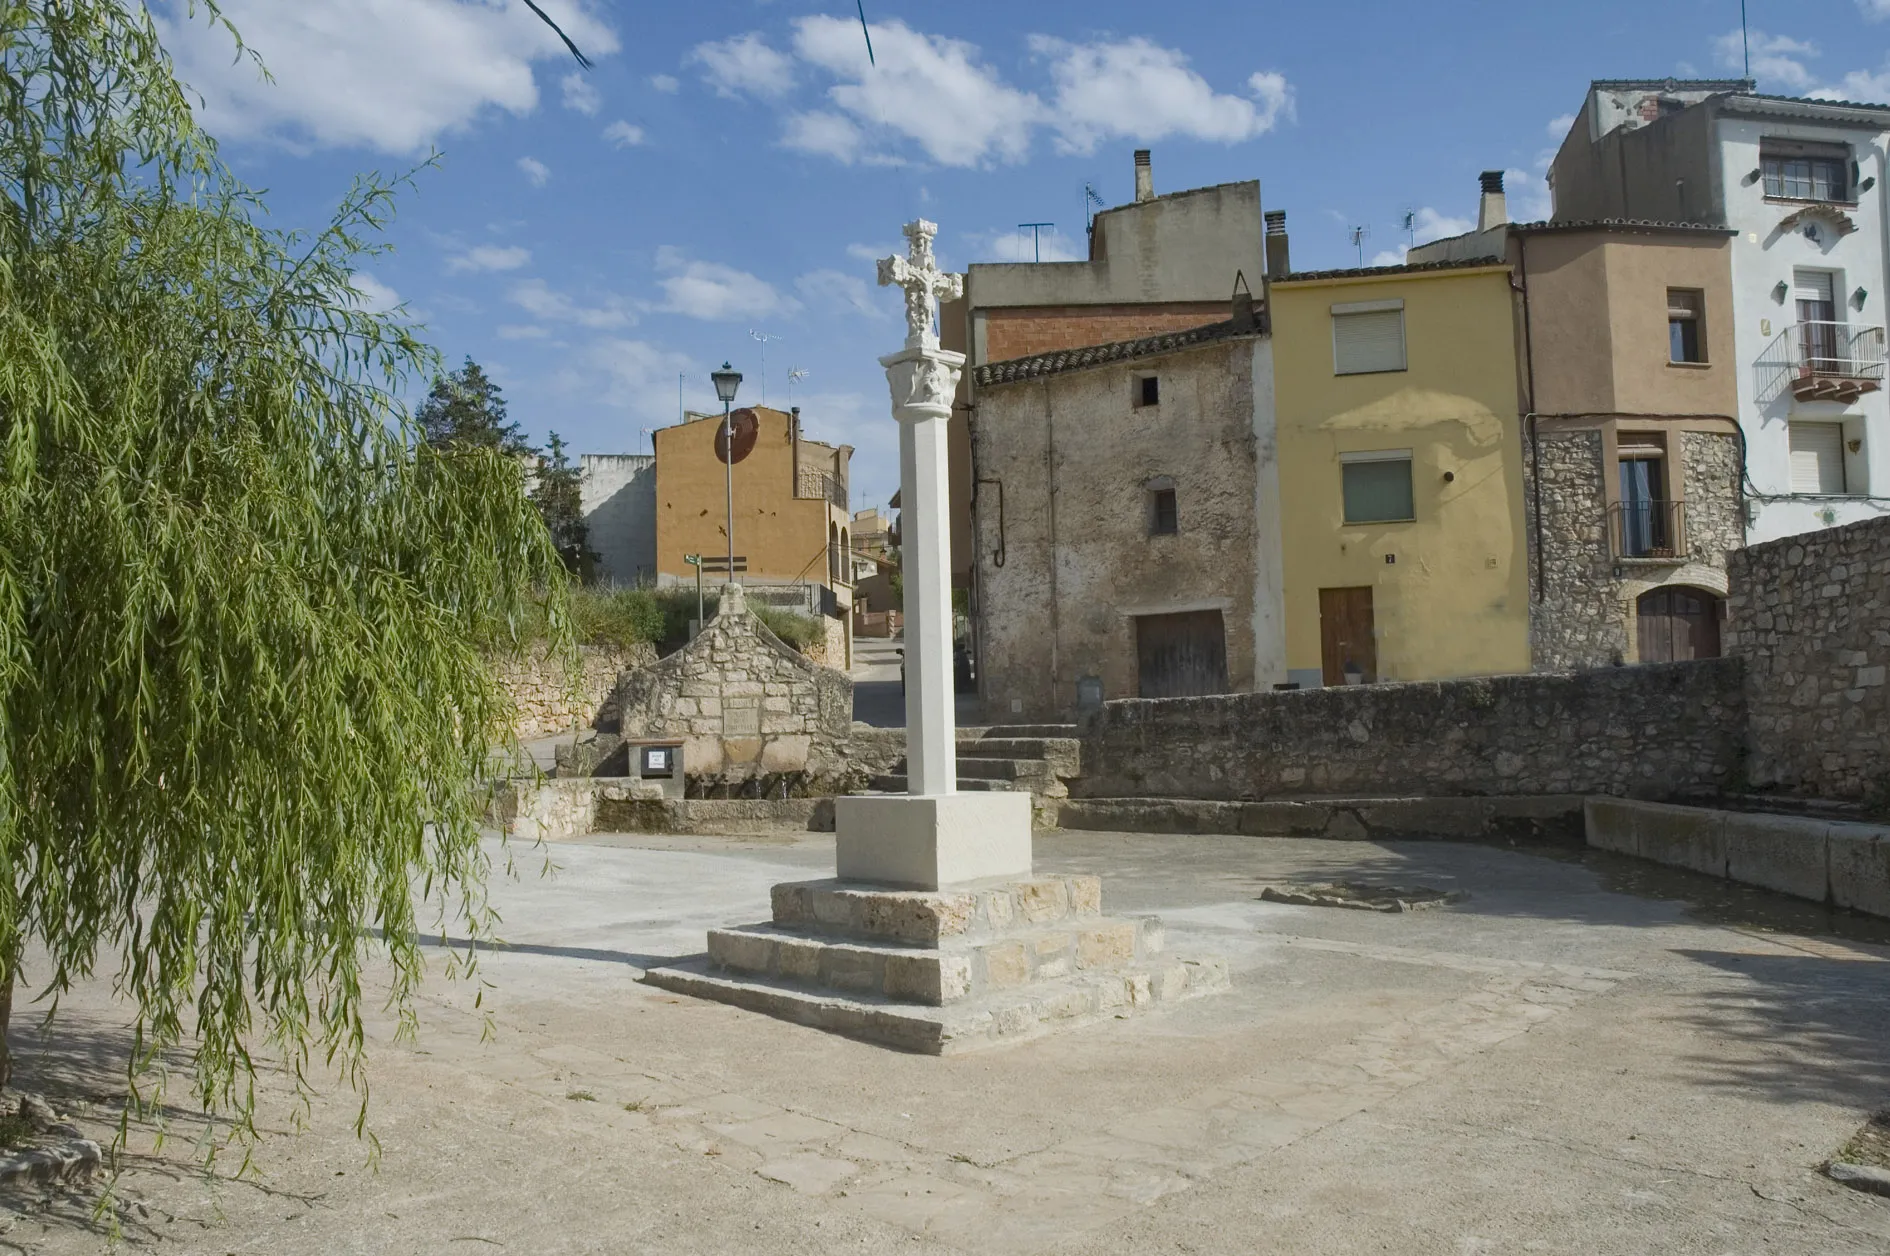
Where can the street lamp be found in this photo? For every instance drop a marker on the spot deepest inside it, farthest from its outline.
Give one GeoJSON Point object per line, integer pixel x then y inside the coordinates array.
{"type": "Point", "coordinates": [727, 381]}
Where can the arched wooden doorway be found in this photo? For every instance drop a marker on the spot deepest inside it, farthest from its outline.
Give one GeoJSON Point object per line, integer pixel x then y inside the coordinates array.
{"type": "Point", "coordinates": [1676, 623]}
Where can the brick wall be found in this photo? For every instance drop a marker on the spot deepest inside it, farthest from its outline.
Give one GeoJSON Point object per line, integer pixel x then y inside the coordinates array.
{"type": "Point", "coordinates": [1023, 331]}
{"type": "Point", "coordinates": [1659, 731]}
{"type": "Point", "coordinates": [1811, 616]}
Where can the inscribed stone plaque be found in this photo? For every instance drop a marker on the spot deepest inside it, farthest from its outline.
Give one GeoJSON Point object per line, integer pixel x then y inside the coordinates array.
{"type": "Point", "coordinates": [741, 717]}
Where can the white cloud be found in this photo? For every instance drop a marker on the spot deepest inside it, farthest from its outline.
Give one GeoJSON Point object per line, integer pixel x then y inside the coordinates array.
{"type": "Point", "coordinates": [1016, 246]}
{"type": "Point", "coordinates": [1559, 126]}
{"type": "Point", "coordinates": [516, 331]}
{"type": "Point", "coordinates": [375, 296]}
{"type": "Point", "coordinates": [825, 135]}
{"type": "Point", "coordinates": [668, 84]}
{"type": "Point", "coordinates": [836, 289]}
{"type": "Point", "coordinates": [929, 89]}
{"type": "Point", "coordinates": [390, 75]}
{"type": "Point", "coordinates": [1135, 89]}
{"type": "Point", "coordinates": [631, 375]}
{"type": "Point", "coordinates": [744, 64]}
{"type": "Point", "coordinates": [624, 134]}
{"type": "Point", "coordinates": [538, 298]}
{"type": "Point", "coordinates": [580, 95]}
{"type": "Point", "coordinates": [1777, 60]}
{"type": "Point", "coordinates": [489, 257]}
{"type": "Point", "coordinates": [712, 291]}
{"type": "Point", "coordinates": [1388, 257]}
{"type": "Point", "coordinates": [535, 170]}
{"type": "Point", "coordinates": [873, 252]}
{"type": "Point", "coordinates": [1528, 195]}
{"type": "Point", "coordinates": [1430, 225]}
{"type": "Point", "coordinates": [1860, 85]}
{"type": "Point", "coordinates": [1874, 10]}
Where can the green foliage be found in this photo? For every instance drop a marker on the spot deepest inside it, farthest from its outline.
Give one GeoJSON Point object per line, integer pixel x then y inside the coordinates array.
{"type": "Point", "coordinates": [244, 699]}
{"type": "Point", "coordinates": [661, 617]}
{"type": "Point", "coordinates": [464, 407]}
{"type": "Point", "coordinates": [558, 494]}
{"type": "Point", "coordinates": [792, 627]}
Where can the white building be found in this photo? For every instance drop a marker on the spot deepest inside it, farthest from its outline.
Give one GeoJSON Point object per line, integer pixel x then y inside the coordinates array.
{"type": "Point", "coordinates": [618, 497]}
{"type": "Point", "coordinates": [1803, 184]}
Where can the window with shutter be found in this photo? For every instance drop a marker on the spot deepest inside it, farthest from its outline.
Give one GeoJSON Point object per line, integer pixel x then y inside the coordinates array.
{"type": "Point", "coordinates": [1818, 458]}
{"type": "Point", "coordinates": [1368, 337]}
{"type": "Point", "coordinates": [1377, 486]}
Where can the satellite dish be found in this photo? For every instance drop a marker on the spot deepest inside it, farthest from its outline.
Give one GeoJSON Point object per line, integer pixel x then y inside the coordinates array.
{"type": "Point", "coordinates": [746, 427]}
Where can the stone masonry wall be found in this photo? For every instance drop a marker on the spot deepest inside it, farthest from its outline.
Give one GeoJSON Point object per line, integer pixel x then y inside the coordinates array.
{"type": "Point", "coordinates": [1711, 465]}
{"type": "Point", "coordinates": [1658, 731]}
{"type": "Point", "coordinates": [1811, 616]}
{"type": "Point", "coordinates": [744, 704]}
{"type": "Point", "coordinates": [1576, 619]}
{"type": "Point", "coordinates": [544, 692]}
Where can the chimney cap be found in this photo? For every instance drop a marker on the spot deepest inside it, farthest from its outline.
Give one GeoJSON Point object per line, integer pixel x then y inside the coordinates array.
{"type": "Point", "coordinates": [1141, 156]}
{"type": "Point", "coordinates": [1276, 221]}
{"type": "Point", "coordinates": [1491, 180]}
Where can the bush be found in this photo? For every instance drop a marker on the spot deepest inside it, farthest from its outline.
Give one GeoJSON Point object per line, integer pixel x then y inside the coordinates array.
{"type": "Point", "coordinates": [661, 618]}
{"type": "Point", "coordinates": [799, 631]}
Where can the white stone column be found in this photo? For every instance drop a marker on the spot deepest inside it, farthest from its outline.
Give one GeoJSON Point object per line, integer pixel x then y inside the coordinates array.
{"type": "Point", "coordinates": [924, 381]}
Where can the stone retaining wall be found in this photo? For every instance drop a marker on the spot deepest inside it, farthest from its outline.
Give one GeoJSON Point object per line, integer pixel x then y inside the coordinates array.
{"type": "Point", "coordinates": [1658, 731]}
{"type": "Point", "coordinates": [551, 700]}
{"type": "Point", "coordinates": [1811, 616]}
{"type": "Point", "coordinates": [1826, 861]}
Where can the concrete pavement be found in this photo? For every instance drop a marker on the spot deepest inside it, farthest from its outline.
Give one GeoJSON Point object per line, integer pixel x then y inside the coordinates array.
{"type": "Point", "coordinates": [1548, 1066]}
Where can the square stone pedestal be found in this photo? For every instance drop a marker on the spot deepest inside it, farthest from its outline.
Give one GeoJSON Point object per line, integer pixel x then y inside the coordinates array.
{"type": "Point", "coordinates": [922, 842]}
{"type": "Point", "coordinates": [943, 971]}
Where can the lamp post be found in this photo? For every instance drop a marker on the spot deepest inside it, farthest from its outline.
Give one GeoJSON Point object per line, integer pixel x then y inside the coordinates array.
{"type": "Point", "coordinates": [727, 381]}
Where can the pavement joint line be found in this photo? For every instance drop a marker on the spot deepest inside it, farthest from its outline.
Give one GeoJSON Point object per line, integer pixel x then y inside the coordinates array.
{"type": "Point", "coordinates": [1448, 959]}
{"type": "Point", "coordinates": [1848, 952]}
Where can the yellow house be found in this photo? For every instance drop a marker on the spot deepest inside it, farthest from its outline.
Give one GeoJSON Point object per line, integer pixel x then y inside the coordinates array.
{"type": "Point", "coordinates": [792, 524]}
{"type": "Point", "coordinates": [1400, 454]}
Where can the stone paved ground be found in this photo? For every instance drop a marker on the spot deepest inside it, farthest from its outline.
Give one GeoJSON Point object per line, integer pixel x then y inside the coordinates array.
{"type": "Point", "coordinates": [1547, 1067]}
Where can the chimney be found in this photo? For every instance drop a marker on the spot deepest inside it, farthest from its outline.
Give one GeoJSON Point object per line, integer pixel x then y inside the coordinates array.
{"type": "Point", "coordinates": [1144, 177]}
{"type": "Point", "coordinates": [1493, 211]}
{"type": "Point", "coordinates": [1279, 264]}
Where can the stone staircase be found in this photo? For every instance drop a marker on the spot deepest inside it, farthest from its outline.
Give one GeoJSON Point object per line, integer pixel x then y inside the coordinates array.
{"type": "Point", "coordinates": [1036, 758]}
{"type": "Point", "coordinates": [943, 971]}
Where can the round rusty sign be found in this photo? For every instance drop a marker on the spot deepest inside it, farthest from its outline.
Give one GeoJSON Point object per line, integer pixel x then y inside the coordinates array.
{"type": "Point", "coordinates": [746, 426]}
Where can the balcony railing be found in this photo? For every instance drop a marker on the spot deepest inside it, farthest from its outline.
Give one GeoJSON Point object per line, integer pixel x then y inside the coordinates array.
{"type": "Point", "coordinates": [1648, 529]}
{"type": "Point", "coordinates": [822, 484]}
{"type": "Point", "coordinates": [1823, 361]}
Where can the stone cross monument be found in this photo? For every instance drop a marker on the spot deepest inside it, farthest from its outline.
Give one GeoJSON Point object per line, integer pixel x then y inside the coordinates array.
{"type": "Point", "coordinates": [936, 836]}
{"type": "Point", "coordinates": [935, 936]}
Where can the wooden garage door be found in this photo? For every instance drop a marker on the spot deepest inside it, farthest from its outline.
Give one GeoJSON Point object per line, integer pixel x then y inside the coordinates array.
{"type": "Point", "coordinates": [1347, 634]}
{"type": "Point", "coordinates": [1676, 624]}
{"type": "Point", "coordinates": [1181, 656]}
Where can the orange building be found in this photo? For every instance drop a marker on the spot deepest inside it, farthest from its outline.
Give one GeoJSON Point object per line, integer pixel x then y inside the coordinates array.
{"type": "Point", "coordinates": [792, 524]}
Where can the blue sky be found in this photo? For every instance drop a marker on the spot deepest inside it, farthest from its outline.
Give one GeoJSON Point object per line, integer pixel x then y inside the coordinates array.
{"type": "Point", "coordinates": [733, 166]}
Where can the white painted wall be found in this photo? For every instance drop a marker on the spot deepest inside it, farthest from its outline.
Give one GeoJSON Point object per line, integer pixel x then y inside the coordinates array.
{"type": "Point", "coordinates": [1762, 257]}
{"type": "Point", "coordinates": [618, 497]}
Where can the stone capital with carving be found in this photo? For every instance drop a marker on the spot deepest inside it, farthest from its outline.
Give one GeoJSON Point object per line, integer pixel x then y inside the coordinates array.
{"type": "Point", "coordinates": [924, 382]}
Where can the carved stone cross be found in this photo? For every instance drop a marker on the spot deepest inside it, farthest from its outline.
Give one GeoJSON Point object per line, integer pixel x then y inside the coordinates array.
{"type": "Point", "coordinates": [924, 282]}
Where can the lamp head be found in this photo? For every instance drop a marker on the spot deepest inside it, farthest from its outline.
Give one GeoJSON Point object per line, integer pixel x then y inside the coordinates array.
{"type": "Point", "coordinates": [727, 381]}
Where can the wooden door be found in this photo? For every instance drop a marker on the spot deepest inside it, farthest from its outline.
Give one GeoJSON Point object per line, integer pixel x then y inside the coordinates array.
{"type": "Point", "coordinates": [1675, 624]}
{"type": "Point", "coordinates": [1347, 633]}
{"type": "Point", "coordinates": [1181, 656]}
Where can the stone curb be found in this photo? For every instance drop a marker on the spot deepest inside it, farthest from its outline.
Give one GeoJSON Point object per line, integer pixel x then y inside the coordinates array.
{"type": "Point", "coordinates": [71, 1162]}
{"type": "Point", "coordinates": [1860, 1177]}
{"type": "Point", "coordinates": [1546, 819]}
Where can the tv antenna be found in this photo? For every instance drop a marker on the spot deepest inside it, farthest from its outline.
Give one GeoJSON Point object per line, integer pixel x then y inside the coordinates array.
{"type": "Point", "coordinates": [1409, 222]}
{"type": "Point", "coordinates": [1036, 237]}
{"type": "Point", "coordinates": [795, 374]}
{"type": "Point", "coordinates": [1358, 241]}
{"type": "Point", "coordinates": [1745, 37]}
{"type": "Point", "coordinates": [764, 337]}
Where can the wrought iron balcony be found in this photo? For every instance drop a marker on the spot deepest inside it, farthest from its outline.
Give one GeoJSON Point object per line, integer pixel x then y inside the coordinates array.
{"type": "Point", "coordinates": [1823, 361]}
{"type": "Point", "coordinates": [1648, 529]}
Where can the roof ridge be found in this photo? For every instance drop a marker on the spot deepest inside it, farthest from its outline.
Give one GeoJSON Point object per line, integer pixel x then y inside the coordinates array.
{"type": "Point", "coordinates": [1056, 361]}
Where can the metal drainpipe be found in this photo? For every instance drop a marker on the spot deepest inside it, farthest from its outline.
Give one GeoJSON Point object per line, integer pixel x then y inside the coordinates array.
{"type": "Point", "coordinates": [1535, 426]}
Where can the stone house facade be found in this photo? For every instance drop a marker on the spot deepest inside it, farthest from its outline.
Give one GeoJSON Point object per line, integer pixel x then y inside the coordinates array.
{"type": "Point", "coordinates": [1128, 526]}
{"type": "Point", "coordinates": [1633, 482]}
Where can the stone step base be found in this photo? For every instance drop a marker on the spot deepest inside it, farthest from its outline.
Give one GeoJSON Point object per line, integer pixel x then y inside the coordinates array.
{"type": "Point", "coordinates": [1003, 731]}
{"type": "Point", "coordinates": [835, 909]}
{"type": "Point", "coordinates": [997, 1019]}
{"type": "Point", "coordinates": [895, 783]}
{"type": "Point", "coordinates": [938, 976]}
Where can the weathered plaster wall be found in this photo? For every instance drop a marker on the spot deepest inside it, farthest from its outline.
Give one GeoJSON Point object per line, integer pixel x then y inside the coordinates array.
{"type": "Point", "coordinates": [1658, 731]}
{"type": "Point", "coordinates": [1450, 587]}
{"type": "Point", "coordinates": [1811, 616]}
{"type": "Point", "coordinates": [618, 497]}
{"type": "Point", "coordinates": [551, 700]}
{"type": "Point", "coordinates": [744, 704]}
{"type": "Point", "coordinates": [1075, 456]}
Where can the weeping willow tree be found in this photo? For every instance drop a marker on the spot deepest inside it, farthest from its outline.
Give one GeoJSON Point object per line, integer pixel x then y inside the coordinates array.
{"type": "Point", "coordinates": [244, 613]}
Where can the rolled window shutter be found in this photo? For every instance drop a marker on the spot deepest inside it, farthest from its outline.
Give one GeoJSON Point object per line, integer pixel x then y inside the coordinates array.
{"type": "Point", "coordinates": [1368, 342]}
{"type": "Point", "coordinates": [1817, 458]}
